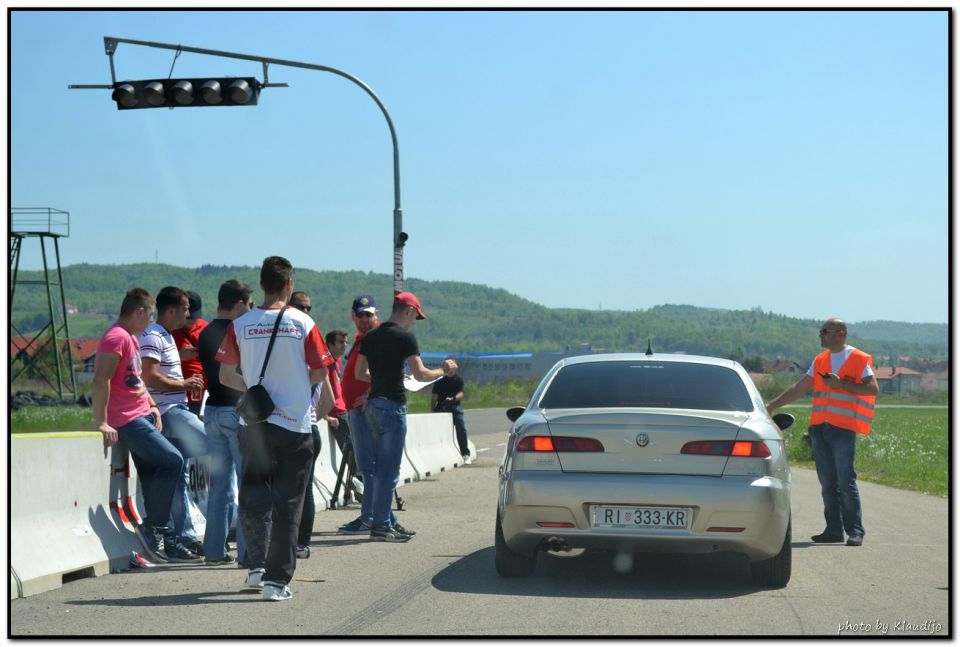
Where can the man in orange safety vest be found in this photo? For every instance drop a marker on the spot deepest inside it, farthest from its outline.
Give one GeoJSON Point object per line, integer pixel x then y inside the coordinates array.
{"type": "Point", "coordinates": [844, 393]}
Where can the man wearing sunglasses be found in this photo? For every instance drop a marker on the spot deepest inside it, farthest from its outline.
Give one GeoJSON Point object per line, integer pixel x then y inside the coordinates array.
{"type": "Point", "coordinates": [845, 390]}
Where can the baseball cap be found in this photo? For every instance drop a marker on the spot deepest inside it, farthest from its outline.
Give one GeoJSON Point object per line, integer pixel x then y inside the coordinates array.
{"type": "Point", "coordinates": [195, 304]}
{"type": "Point", "coordinates": [364, 303]}
{"type": "Point", "coordinates": [410, 299]}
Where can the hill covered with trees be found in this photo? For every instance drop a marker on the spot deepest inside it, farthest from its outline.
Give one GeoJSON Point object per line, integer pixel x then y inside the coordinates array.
{"type": "Point", "coordinates": [465, 317]}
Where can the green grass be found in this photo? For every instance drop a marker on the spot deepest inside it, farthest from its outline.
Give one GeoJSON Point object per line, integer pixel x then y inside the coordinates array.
{"type": "Point", "coordinates": [30, 420]}
{"type": "Point", "coordinates": [906, 448]}
{"type": "Point", "coordinates": [513, 393]}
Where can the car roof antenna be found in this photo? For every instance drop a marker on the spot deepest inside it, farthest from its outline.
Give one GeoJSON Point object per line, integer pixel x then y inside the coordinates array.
{"type": "Point", "coordinates": [649, 347]}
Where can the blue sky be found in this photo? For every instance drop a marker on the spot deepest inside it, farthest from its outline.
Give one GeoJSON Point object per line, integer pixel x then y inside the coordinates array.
{"type": "Point", "coordinates": [795, 161]}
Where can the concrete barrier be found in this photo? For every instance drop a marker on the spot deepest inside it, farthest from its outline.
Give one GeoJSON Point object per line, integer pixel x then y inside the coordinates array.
{"type": "Point", "coordinates": [325, 469]}
{"type": "Point", "coordinates": [60, 519]}
{"type": "Point", "coordinates": [431, 444]}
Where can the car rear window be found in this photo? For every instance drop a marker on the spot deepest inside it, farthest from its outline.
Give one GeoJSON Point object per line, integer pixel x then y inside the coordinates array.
{"type": "Point", "coordinates": [676, 385]}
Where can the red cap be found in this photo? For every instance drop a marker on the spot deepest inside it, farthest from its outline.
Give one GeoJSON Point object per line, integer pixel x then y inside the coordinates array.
{"type": "Point", "coordinates": [410, 299]}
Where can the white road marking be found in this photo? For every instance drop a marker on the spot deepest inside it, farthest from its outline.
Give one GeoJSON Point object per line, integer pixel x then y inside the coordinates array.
{"type": "Point", "coordinates": [483, 449]}
{"type": "Point", "coordinates": [501, 444]}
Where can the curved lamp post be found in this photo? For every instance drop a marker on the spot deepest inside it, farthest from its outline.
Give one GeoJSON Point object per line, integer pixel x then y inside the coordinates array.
{"type": "Point", "coordinates": [399, 237]}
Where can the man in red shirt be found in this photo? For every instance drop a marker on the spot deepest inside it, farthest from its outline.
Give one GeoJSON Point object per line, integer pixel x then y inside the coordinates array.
{"type": "Point", "coordinates": [187, 339]}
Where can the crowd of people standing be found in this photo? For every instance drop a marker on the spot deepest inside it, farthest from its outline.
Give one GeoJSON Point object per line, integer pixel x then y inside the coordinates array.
{"type": "Point", "coordinates": [154, 365]}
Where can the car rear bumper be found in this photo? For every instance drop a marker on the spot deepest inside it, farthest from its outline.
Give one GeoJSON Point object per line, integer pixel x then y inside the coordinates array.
{"type": "Point", "coordinates": [759, 505]}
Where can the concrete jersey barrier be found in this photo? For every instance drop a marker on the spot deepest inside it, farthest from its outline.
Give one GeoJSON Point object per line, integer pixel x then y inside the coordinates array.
{"type": "Point", "coordinates": [60, 517]}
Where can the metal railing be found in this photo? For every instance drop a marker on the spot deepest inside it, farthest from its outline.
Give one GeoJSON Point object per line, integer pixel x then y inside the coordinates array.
{"type": "Point", "coordinates": [39, 220]}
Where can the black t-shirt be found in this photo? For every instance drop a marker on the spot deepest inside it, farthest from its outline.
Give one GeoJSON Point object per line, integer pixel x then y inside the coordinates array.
{"type": "Point", "coordinates": [387, 348]}
{"type": "Point", "coordinates": [207, 345]}
{"type": "Point", "coordinates": [447, 387]}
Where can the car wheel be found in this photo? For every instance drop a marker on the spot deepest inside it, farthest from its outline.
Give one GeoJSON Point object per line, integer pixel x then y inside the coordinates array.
{"type": "Point", "coordinates": [775, 572]}
{"type": "Point", "coordinates": [508, 562]}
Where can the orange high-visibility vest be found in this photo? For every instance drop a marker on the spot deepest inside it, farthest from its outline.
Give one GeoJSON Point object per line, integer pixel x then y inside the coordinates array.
{"type": "Point", "coordinates": [837, 407]}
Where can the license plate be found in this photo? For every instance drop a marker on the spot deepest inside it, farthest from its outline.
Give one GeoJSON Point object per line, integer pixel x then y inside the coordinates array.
{"type": "Point", "coordinates": [610, 516]}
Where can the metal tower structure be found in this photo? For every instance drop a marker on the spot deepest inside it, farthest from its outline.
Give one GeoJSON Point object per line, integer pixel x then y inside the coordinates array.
{"type": "Point", "coordinates": [46, 355]}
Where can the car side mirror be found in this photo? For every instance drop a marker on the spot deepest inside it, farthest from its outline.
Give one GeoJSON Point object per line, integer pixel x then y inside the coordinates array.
{"type": "Point", "coordinates": [515, 412]}
{"type": "Point", "coordinates": [783, 420]}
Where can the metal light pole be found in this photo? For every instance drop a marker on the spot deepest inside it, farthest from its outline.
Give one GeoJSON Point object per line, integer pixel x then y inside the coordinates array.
{"type": "Point", "coordinates": [399, 237]}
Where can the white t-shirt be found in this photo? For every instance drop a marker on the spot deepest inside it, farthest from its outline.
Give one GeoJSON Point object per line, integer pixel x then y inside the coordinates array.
{"type": "Point", "coordinates": [157, 343]}
{"type": "Point", "coordinates": [298, 348]}
{"type": "Point", "coordinates": [837, 360]}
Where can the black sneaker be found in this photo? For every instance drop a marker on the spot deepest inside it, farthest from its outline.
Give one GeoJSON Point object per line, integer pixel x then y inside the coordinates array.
{"type": "Point", "coordinates": [152, 540]}
{"type": "Point", "coordinates": [226, 559]}
{"type": "Point", "coordinates": [827, 538]}
{"type": "Point", "coordinates": [403, 531]}
{"type": "Point", "coordinates": [180, 553]}
{"type": "Point", "coordinates": [855, 540]}
{"type": "Point", "coordinates": [193, 546]}
{"type": "Point", "coordinates": [388, 534]}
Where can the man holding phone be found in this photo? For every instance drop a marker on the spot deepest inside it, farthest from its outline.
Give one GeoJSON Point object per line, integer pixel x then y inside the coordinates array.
{"type": "Point", "coordinates": [845, 391]}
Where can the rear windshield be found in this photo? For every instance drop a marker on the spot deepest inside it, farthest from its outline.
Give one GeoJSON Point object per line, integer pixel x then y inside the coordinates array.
{"type": "Point", "coordinates": [676, 385]}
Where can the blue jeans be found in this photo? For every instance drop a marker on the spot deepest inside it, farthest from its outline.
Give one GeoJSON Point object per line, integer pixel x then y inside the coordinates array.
{"type": "Point", "coordinates": [387, 421]}
{"type": "Point", "coordinates": [185, 431]}
{"type": "Point", "coordinates": [461, 428]}
{"type": "Point", "coordinates": [159, 466]}
{"type": "Point", "coordinates": [834, 450]}
{"type": "Point", "coordinates": [223, 433]}
{"type": "Point", "coordinates": [365, 457]}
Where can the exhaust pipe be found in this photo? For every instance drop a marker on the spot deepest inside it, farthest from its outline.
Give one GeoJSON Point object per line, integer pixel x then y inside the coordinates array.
{"type": "Point", "coordinates": [557, 545]}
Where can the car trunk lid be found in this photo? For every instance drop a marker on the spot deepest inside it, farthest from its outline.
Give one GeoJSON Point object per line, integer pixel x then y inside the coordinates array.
{"type": "Point", "coordinates": [644, 441]}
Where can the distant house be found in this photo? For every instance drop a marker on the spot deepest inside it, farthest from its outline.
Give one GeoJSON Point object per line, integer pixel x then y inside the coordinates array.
{"type": "Point", "coordinates": [896, 379]}
{"type": "Point", "coordinates": [935, 380]}
{"type": "Point", "coordinates": [84, 352]}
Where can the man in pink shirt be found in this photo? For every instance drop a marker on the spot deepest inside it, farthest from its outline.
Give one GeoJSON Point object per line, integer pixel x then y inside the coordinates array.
{"type": "Point", "coordinates": [124, 411]}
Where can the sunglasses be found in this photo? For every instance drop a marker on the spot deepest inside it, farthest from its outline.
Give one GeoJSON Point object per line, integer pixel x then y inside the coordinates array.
{"type": "Point", "coordinates": [302, 308]}
{"type": "Point", "coordinates": [365, 315]}
{"type": "Point", "coordinates": [824, 331]}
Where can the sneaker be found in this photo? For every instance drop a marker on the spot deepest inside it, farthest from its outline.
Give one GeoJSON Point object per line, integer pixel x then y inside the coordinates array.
{"type": "Point", "coordinates": [404, 531]}
{"type": "Point", "coordinates": [254, 581]}
{"type": "Point", "coordinates": [855, 540]}
{"type": "Point", "coordinates": [388, 534]}
{"type": "Point", "coordinates": [303, 552]}
{"type": "Point", "coordinates": [193, 546]}
{"type": "Point", "coordinates": [467, 460]}
{"type": "Point", "coordinates": [827, 538]}
{"type": "Point", "coordinates": [152, 540]}
{"type": "Point", "coordinates": [274, 591]}
{"type": "Point", "coordinates": [180, 553]}
{"type": "Point", "coordinates": [356, 527]}
{"type": "Point", "coordinates": [358, 485]}
{"type": "Point", "coordinates": [226, 559]}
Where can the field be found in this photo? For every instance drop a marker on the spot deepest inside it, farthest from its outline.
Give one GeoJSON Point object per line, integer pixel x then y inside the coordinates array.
{"type": "Point", "coordinates": [907, 448]}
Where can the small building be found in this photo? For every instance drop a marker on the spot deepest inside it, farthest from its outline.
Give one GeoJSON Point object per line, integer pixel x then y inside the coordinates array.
{"type": "Point", "coordinates": [897, 379]}
{"type": "Point", "coordinates": [773, 367]}
{"type": "Point", "coordinates": [935, 380]}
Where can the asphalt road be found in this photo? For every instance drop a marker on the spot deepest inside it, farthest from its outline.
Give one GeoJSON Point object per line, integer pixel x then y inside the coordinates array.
{"type": "Point", "coordinates": [443, 581]}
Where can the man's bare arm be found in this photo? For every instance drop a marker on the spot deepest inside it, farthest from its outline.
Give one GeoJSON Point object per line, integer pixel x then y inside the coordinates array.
{"type": "Point", "coordinates": [230, 378]}
{"type": "Point", "coordinates": [793, 392]}
{"type": "Point", "coordinates": [158, 382]}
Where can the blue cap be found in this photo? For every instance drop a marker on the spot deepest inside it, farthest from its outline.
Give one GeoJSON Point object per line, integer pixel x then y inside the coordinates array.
{"type": "Point", "coordinates": [364, 303]}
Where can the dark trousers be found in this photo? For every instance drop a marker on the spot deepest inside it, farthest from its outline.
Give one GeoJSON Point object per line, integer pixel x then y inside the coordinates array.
{"type": "Point", "coordinates": [342, 435]}
{"type": "Point", "coordinates": [276, 464]}
{"type": "Point", "coordinates": [461, 428]}
{"type": "Point", "coordinates": [309, 507]}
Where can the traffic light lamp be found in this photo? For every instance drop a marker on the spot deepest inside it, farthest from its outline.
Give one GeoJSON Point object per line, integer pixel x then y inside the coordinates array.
{"type": "Point", "coordinates": [185, 93]}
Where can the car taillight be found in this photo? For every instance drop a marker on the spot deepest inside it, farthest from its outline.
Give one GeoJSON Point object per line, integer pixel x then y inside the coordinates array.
{"type": "Point", "coordinates": [558, 444]}
{"type": "Point", "coordinates": [749, 448]}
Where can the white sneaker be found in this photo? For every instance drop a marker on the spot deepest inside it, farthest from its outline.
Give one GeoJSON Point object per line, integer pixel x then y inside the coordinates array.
{"type": "Point", "coordinates": [274, 591]}
{"type": "Point", "coordinates": [358, 485]}
{"type": "Point", "coordinates": [254, 581]}
{"type": "Point", "coordinates": [467, 460]}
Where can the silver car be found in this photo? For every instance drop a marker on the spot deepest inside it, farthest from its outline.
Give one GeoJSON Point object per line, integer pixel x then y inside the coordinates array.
{"type": "Point", "coordinates": [646, 453]}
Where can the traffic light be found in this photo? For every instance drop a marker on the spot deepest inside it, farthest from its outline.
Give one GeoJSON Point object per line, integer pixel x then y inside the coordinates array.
{"type": "Point", "coordinates": [186, 93]}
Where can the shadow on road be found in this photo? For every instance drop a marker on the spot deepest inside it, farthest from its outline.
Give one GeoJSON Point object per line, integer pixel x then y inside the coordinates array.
{"type": "Point", "coordinates": [596, 575]}
{"type": "Point", "coordinates": [178, 600]}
